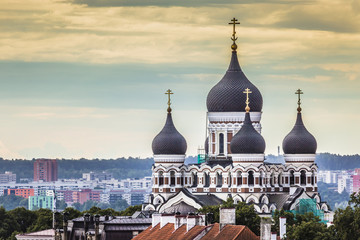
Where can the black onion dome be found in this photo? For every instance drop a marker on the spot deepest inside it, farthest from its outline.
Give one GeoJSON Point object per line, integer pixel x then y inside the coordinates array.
{"type": "Point", "coordinates": [299, 140]}
{"type": "Point", "coordinates": [227, 95]}
{"type": "Point", "coordinates": [247, 140]}
{"type": "Point", "coordinates": [169, 141]}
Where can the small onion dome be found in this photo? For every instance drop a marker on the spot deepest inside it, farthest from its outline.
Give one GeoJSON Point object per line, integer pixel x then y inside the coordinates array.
{"type": "Point", "coordinates": [247, 140]}
{"type": "Point", "coordinates": [169, 141]}
{"type": "Point", "coordinates": [299, 140]}
{"type": "Point", "coordinates": [227, 95]}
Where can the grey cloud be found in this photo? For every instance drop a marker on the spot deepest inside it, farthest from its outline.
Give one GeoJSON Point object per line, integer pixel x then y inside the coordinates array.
{"type": "Point", "coordinates": [171, 3]}
{"type": "Point", "coordinates": [318, 20]}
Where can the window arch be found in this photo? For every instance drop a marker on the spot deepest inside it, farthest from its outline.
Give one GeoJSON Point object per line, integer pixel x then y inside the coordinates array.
{"type": "Point", "coordinates": [161, 178]}
{"type": "Point", "coordinates": [292, 178]}
{"type": "Point", "coordinates": [303, 177]}
{"type": "Point", "coordinates": [172, 178]}
{"type": "Point", "coordinates": [229, 180]}
{"type": "Point", "coordinates": [280, 181]}
{"type": "Point", "coordinates": [219, 179]}
{"type": "Point", "coordinates": [272, 178]}
{"type": "Point", "coordinates": [313, 178]}
{"type": "Point", "coordinates": [207, 180]}
{"type": "Point", "coordinates": [194, 179]}
{"type": "Point", "coordinates": [251, 178]}
{"type": "Point", "coordinates": [239, 178]}
{"type": "Point", "coordinates": [221, 143]}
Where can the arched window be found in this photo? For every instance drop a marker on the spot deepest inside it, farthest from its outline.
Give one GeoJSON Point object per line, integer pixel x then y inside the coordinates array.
{"type": "Point", "coordinates": [261, 179]}
{"type": "Point", "coordinates": [272, 178]}
{"type": "Point", "coordinates": [182, 179]}
{"type": "Point", "coordinates": [280, 179]}
{"type": "Point", "coordinates": [302, 177]}
{"type": "Point", "coordinates": [194, 179]}
{"type": "Point", "coordinates": [219, 179]}
{"type": "Point", "coordinates": [207, 180]}
{"type": "Point", "coordinates": [239, 178]}
{"type": "Point", "coordinates": [221, 143]}
{"type": "Point", "coordinates": [313, 178]}
{"type": "Point", "coordinates": [251, 178]}
{"type": "Point", "coordinates": [172, 178]}
{"type": "Point", "coordinates": [161, 178]}
{"type": "Point", "coordinates": [292, 178]}
{"type": "Point", "coordinates": [229, 180]}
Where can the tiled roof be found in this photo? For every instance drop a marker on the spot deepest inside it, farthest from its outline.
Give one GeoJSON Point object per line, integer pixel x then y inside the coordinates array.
{"type": "Point", "coordinates": [232, 232]}
{"type": "Point", "coordinates": [43, 233]}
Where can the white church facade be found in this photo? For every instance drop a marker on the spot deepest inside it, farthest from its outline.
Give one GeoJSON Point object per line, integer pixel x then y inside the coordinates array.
{"type": "Point", "coordinates": [234, 165]}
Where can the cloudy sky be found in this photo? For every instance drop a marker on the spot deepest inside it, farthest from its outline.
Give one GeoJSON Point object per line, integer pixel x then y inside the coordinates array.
{"type": "Point", "coordinates": [86, 78]}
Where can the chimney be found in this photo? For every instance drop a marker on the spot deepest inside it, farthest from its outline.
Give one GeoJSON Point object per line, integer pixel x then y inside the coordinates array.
{"type": "Point", "coordinates": [179, 221]}
{"type": "Point", "coordinates": [192, 221]}
{"type": "Point", "coordinates": [227, 216]}
{"type": "Point", "coordinates": [155, 219]}
{"type": "Point", "coordinates": [282, 226]}
{"type": "Point", "coordinates": [265, 229]}
{"type": "Point", "coordinates": [166, 218]}
{"type": "Point", "coordinates": [273, 236]}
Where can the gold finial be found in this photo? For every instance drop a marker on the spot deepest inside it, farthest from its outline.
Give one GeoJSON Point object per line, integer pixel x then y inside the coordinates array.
{"type": "Point", "coordinates": [168, 92]}
{"type": "Point", "coordinates": [234, 38]}
{"type": "Point", "coordinates": [299, 92]}
{"type": "Point", "coordinates": [247, 91]}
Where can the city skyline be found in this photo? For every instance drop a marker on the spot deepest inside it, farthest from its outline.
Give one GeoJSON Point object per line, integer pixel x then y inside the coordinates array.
{"type": "Point", "coordinates": [85, 78]}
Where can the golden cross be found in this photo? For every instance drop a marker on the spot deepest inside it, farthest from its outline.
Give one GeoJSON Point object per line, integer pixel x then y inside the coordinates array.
{"type": "Point", "coordinates": [168, 92]}
{"type": "Point", "coordinates": [234, 38]}
{"type": "Point", "coordinates": [299, 92]}
{"type": "Point", "coordinates": [247, 91]}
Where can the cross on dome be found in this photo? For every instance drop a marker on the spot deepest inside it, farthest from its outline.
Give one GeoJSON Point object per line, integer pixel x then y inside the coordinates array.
{"type": "Point", "coordinates": [299, 92]}
{"type": "Point", "coordinates": [234, 21]}
{"type": "Point", "coordinates": [168, 92]}
{"type": "Point", "coordinates": [247, 91]}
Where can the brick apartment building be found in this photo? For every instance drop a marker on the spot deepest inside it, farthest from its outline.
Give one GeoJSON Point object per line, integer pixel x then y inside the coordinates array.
{"type": "Point", "coordinates": [86, 194]}
{"type": "Point", "coordinates": [22, 192]}
{"type": "Point", "coordinates": [46, 170]}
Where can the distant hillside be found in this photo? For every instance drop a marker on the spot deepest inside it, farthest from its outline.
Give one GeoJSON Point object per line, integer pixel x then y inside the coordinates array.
{"type": "Point", "coordinates": [136, 167]}
{"type": "Point", "coordinates": [327, 161]}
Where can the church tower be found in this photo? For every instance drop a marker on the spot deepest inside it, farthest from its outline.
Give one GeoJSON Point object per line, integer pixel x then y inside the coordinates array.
{"type": "Point", "coordinates": [226, 108]}
{"type": "Point", "coordinates": [299, 147]}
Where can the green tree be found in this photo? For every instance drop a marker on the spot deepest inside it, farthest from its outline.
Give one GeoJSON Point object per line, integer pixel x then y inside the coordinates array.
{"type": "Point", "coordinates": [24, 218]}
{"type": "Point", "coordinates": [211, 209]}
{"type": "Point", "coordinates": [43, 221]}
{"type": "Point", "coordinates": [11, 201]}
{"type": "Point", "coordinates": [245, 214]}
{"type": "Point", "coordinates": [73, 213]}
{"type": "Point", "coordinates": [120, 205]}
{"type": "Point", "coordinates": [309, 227]}
{"type": "Point", "coordinates": [347, 221]}
{"type": "Point", "coordinates": [130, 210]}
{"type": "Point", "coordinates": [8, 225]}
{"type": "Point", "coordinates": [61, 204]}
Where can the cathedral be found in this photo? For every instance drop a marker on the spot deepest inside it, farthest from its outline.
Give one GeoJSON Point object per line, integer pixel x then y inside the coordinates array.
{"type": "Point", "coordinates": [234, 164]}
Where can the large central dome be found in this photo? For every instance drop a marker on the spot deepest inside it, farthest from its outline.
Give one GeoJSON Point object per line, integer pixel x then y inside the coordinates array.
{"type": "Point", "coordinates": [227, 95]}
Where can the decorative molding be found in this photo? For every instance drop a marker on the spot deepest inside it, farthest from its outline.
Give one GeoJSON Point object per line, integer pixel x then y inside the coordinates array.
{"type": "Point", "coordinates": [299, 157]}
{"type": "Point", "coordinates": [233, 116]}
{"type": "Point", "coordinates": [169, 158]}
{"type": "Point", "coordinates": [247, 158]}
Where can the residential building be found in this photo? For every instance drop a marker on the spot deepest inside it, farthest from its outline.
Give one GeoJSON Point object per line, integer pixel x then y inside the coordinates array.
{"type": "Point", "coordinates": [22, 192]}
{"type": "Point", "coordinates": [45, 170]}
{"type": "Point", "coordinates": [7, 177]}
{"type": "Point", "coordinates": [100, 176]}
{"type": "Point", "coordinates": [36, 202]}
